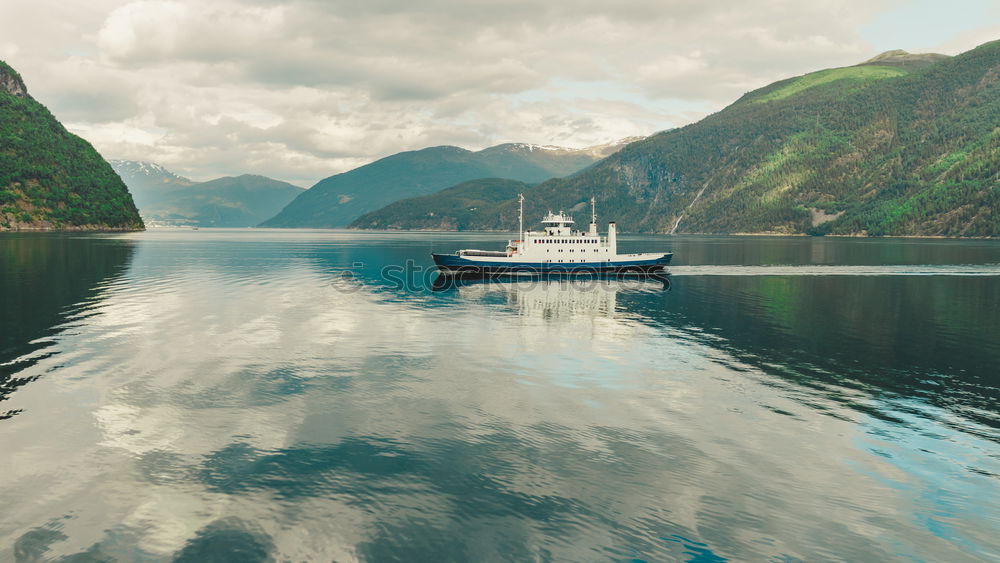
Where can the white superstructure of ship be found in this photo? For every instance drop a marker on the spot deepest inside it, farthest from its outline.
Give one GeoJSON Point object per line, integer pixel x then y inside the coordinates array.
{"type": "Point", "coordinates": [557, 247]}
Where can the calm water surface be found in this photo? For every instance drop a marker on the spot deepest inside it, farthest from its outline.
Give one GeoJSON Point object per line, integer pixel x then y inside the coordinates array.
{"type": "Point", "coordinates": [280, 395]}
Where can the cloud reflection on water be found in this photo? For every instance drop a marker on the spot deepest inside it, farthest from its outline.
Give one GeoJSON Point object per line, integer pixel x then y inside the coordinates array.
{"type": "Point", "coordinates": [278, 409]}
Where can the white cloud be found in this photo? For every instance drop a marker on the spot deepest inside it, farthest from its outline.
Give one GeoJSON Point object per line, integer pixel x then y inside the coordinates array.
{"type": "Point", "coordinates": [301, 89]}
{"type": "Point", "coordinates": [970, 39]}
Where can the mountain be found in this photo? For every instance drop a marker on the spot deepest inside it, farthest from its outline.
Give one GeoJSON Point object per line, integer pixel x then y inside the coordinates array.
{"type": "Point", "coordinates": [900, 145]}
{"type": "Point", "coordinates": [149, 182]}
{"type": "Point", "coordinates": [50, 179]}
{"type": "Point", "coordinates": [165, 197]}
{"type": "Point", "coordinates": [241, 201]}
{"type": "Point", "coordinates": [447, 210]}
{"type": "Point", "coordinates": [536, 163]}
{"type": "Point", "coordinates": [339, 199]}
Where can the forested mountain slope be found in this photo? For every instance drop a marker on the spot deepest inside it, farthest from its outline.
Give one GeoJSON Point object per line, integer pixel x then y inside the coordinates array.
{"type": "Point", "coordinates": [454, 208]}
{"type": "Point", "coordinates": [50, 179]}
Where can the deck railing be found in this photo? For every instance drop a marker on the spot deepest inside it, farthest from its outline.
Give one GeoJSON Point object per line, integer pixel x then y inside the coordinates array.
{"type": "Point", "coordinates": [482, 253]}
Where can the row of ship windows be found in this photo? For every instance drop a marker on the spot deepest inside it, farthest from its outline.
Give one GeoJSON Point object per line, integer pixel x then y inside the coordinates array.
{"type": "Point", "coordinates": [581, 260]}
{"type": "Point", "coordinates": [571, 250]}
{"type": "Point", "coordinates": [572, 241]}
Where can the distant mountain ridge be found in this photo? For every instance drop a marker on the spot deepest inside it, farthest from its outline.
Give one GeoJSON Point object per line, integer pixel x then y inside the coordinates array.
{"type": "Point", "coordinates": [338, 200]}
{"type": "Point", "coordinates": [167, 198]}
{"type": "Point", "coordinates": [148, 181]}
{"type": "Point", "coordinates": [900, 145]}
{"type": "Point", "coordinates": [51, 179]}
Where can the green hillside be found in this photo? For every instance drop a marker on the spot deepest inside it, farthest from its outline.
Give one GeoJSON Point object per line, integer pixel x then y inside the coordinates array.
{"type": "Point", "coordinates": [455, 208]}
{"type": "Point", "coordinates": [901, 145]}
{"type": "Point", "coordinates": [859, 75]}
{"type": "Point", "coordinates": [51, 179]}
{"type": "Point", "coordinates": [340, 199]}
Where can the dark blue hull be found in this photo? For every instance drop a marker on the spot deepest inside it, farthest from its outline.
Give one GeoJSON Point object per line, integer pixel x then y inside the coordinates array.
{"type": "Point", "coordinates": [454, 264]}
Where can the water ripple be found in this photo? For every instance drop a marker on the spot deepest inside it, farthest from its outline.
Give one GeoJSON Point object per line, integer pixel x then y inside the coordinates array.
{"type": "Point", "coordinates": [221, 395]}
{"type": "Point", "coordinates": [839, 270]}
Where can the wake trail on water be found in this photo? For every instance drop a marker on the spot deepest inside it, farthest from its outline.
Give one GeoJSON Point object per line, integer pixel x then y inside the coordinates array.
{"type": "Point", "coordinates": [811, 270]}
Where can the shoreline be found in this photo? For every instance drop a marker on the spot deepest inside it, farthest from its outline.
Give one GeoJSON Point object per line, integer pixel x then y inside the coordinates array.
{"type": "Point", "coordinates": [763, 234]}
{"type": "Point", "coordinates": [71, 229]}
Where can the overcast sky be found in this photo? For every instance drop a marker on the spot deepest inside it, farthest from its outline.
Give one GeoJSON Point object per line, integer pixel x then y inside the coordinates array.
{"type": "Point", "coordinates": [302, 89]}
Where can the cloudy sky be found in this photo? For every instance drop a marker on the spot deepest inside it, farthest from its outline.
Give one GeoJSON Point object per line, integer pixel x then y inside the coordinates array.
{"type": "Point", "coordinates": [302, 89]}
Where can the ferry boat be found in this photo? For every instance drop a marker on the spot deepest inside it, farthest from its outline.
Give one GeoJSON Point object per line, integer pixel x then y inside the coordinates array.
{"type": "Point", "coordinates": [557, 248]}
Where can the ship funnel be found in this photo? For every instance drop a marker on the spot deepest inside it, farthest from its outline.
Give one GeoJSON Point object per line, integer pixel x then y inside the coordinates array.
{"type": "Point", "coordinates": [613, 237]}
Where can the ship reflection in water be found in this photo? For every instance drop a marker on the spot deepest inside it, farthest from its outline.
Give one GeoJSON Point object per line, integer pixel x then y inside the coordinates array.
{"type": "Point", "coordinates": [571, 282]}
{"type": "Point", "coordinates": [553, 297]}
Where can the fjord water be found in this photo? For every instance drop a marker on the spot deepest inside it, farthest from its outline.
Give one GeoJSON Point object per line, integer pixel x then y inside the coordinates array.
{"type": "Point", "coordinates": [282, 395]}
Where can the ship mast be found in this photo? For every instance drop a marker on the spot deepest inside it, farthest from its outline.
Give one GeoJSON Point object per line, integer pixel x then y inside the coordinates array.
{"type": "Point", "coordinates": [520, 217]}
{"type": "Point", "coordinates": [593, 217]}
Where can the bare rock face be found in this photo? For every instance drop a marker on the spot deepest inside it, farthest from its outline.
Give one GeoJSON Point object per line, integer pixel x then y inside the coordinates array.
{"type": "Point", "coordinates": [899, 57]}
{"type": "Point", "coordinates": [10, 81]}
